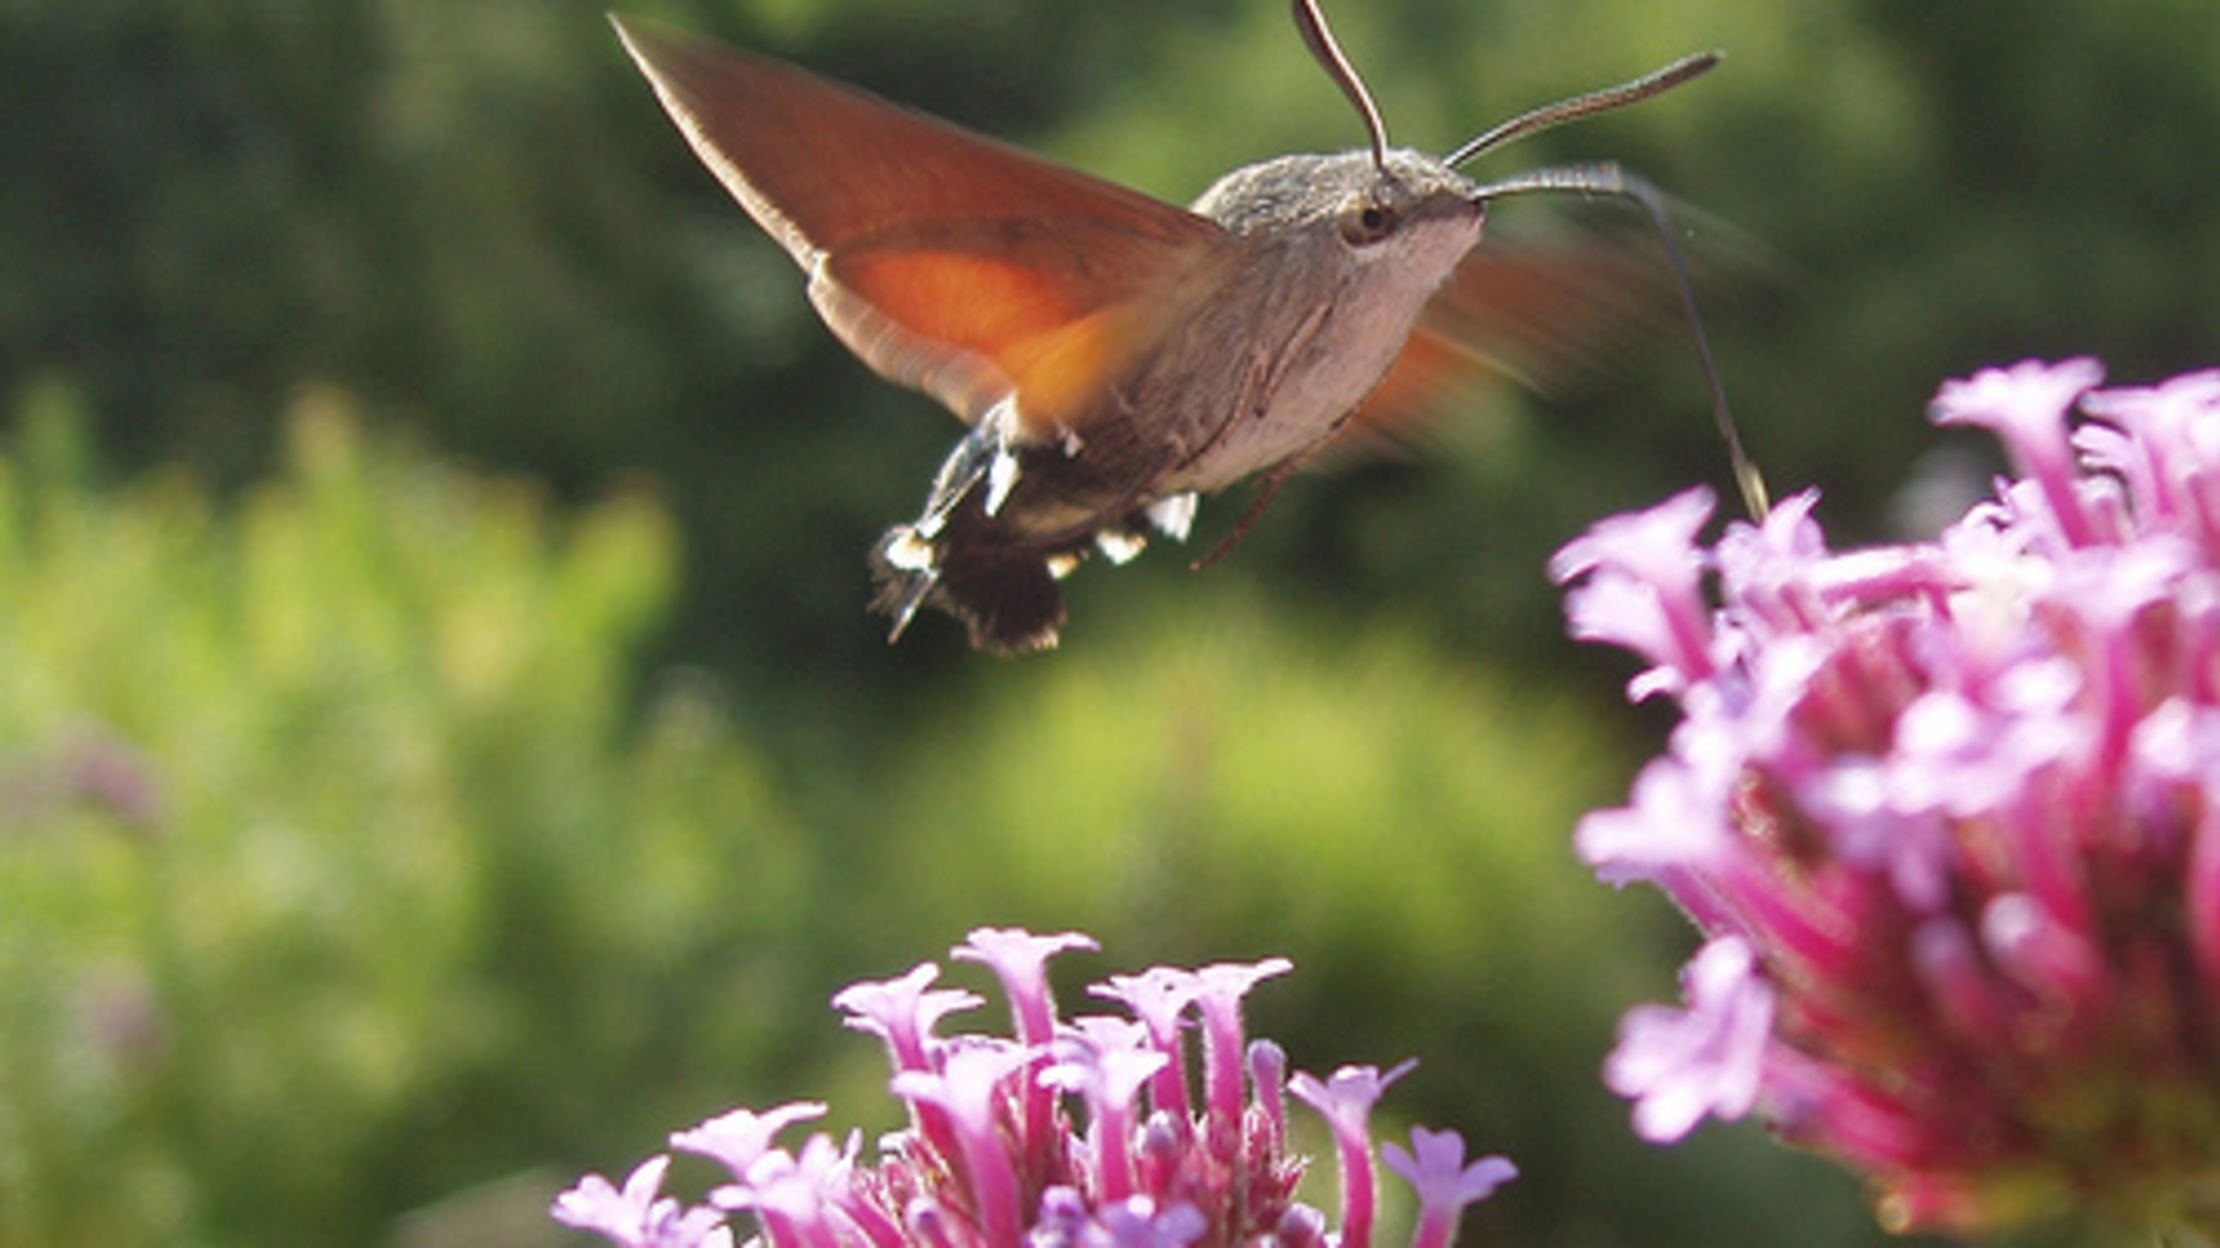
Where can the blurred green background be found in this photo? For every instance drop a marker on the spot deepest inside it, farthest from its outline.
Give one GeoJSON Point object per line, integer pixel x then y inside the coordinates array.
{"type": "Point", "coordinates": [442, 746]}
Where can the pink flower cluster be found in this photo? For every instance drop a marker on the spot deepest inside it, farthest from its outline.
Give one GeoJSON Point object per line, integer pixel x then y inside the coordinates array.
{"type": "Point", "coordinates": [1948, 814]}
{"type": "Point", "coordinates": [994, 1157]}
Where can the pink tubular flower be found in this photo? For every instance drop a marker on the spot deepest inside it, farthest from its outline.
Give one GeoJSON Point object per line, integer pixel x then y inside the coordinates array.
{"type": "Point", "coordinates": [1346, 1099]}
{"type": "Point", "coordinates": [1949, 815]}
{"type": "Point", "coordinates": [1435, 1165]}
{"type": "Point", "coordinates": [1682, 1065]}
{"type": "Point", "coordinates": [997, 1157]}
{"type": "Point", "coordinates": [638, 1215]}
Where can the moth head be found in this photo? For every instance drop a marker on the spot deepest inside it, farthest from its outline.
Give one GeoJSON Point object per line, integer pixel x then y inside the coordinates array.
{"type": "Point", "coordinates": [1409, 209]}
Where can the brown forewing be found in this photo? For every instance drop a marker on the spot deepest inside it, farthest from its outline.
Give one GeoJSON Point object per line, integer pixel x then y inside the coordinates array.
{"type": "Point", "coordinates": [947, 261]}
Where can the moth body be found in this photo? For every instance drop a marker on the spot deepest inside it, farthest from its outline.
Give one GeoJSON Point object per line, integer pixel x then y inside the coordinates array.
{"type": "Point", "coordinates": [1253, 363]}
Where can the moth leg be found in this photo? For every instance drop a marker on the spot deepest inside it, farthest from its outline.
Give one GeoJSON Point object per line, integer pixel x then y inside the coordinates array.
{"type": "Point", "coordinates": [1269, 490]}
{"type": "Point", "coordinates": [1274, 478]}
{"type": "Point", "coordinates": [1256, 372]}
{"type": "Point", "coordinates": [1283, 361]}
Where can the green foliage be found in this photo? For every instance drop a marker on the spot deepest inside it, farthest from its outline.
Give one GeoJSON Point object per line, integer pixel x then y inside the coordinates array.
{"type": "Point", "coordinates": [332, 867]}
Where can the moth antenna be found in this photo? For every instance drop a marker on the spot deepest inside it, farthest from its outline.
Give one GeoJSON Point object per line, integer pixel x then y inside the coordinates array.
{"type": "Point", "coordinates": [1656, 82]}
{"type": "Point", "coordinates": [1610, 179]}
{"type": "Point", "coordinates": [1319, 38]}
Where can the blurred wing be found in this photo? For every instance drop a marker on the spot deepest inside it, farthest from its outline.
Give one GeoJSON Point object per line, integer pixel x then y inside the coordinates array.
{"type": "Point", "coordinates": [1541, 316]}
{"type": "Point", "coordinates": [946, 261]}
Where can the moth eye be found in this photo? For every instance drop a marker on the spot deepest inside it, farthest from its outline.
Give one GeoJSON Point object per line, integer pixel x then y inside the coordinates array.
{"type": "Point", "coordinates": [1366, 223]}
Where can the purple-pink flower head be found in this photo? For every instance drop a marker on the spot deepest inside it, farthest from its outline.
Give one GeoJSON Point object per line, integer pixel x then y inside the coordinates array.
{"type": "Point", "coordinates": [1065, 1135]}
{"type": "Point", "coordinates": [1949, 815]}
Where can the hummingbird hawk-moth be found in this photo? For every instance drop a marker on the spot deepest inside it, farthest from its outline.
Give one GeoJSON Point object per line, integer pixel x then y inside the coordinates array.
{"type": "Point", "coordinates": [1114, 356]}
